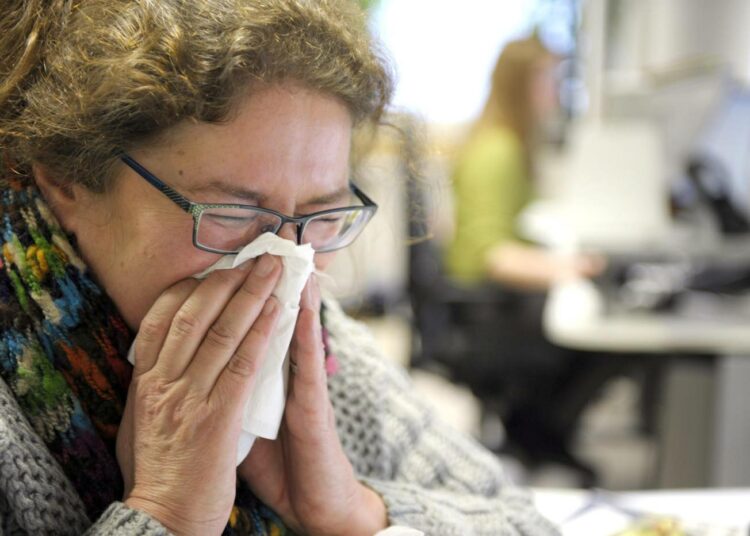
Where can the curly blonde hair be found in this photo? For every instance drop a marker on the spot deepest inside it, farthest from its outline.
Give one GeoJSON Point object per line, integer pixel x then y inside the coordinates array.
{"type": "Point", "coordinates": [80, 80]}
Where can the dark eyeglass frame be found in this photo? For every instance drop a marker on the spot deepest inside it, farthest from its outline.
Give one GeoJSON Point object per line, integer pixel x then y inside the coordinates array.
{"type": "Point", "coordinates": [196, 209]}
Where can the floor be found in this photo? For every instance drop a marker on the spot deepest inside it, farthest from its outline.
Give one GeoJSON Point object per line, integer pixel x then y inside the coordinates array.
{"type": "Point", "coordinates": [609, 438]}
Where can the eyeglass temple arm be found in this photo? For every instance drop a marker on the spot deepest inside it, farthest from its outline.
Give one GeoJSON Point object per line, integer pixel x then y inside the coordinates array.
{"type": "Point", "coordinates": [185, 204]}
{"type": "Point", "coordinates": [363, 196]}
{"type": "Point", "coordinates": [174, 196]}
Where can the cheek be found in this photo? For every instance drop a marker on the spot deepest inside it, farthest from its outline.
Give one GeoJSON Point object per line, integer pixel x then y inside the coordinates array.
{"type": "Point", "coordinates": [140, 280]}
{"type": "Point", "coordinates": [146, 258]}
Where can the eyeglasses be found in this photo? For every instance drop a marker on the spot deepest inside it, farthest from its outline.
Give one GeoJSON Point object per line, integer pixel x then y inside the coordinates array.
{"type": "Point", "coordinates": [227, 228]}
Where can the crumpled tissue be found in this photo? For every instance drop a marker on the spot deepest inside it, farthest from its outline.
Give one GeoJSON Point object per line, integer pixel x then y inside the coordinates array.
{"type": "Point", "coordinates": [265, 408]}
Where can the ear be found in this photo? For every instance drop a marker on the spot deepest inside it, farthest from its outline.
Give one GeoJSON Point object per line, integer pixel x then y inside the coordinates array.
{"type": "Point", "coordinates": [62, 198]}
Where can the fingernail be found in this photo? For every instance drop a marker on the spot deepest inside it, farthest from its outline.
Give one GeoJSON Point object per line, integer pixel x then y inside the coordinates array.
{"type": "Point", "coordinates": [270, 306]}
{"type": "Point", "coordinates": [245, 266]}
{"type": "Point", "coordinates": [265, 265]}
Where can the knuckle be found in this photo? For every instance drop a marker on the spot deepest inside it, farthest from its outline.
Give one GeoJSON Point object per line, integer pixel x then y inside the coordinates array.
{"type": "Point", "coordinates": [158, 400]}
{"type": "Point", "coordinates": [221, 337]}
{"type": "Point", "coordinates": [152, 397]}
{"type": "Point", "coordinates": [253, 289]}
{"type": "Point", "coordinates": [262, 328]}
{"type": "Point", "coordinates": [186, 409]}
{"type": "Point", "coordinates": [243, 364]}
{"type": "Point", "coordinates": [152, 389]}
{"type": "Point", "coordinates": [185, 323]}
{"type": "Point", "coordinates": [152, 328]}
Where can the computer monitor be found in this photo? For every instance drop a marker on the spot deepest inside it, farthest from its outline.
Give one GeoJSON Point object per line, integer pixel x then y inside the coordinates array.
{"type": "Point", "coordinates": [725, 144]}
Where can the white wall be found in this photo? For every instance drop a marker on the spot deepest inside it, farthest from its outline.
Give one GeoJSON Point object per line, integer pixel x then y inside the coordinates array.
{"type": "Point", "coordinates": [661, 34]}
{"type": "Point", "coordinates": [681, 29]}
{"type": "Point", "coordinates": [444, 50]}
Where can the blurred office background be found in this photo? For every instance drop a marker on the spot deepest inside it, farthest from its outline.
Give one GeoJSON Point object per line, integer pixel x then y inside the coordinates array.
{"type": "Point", "coordinates": [646, 162]}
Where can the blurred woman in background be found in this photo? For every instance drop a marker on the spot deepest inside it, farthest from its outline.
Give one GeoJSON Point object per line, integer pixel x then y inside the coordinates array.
{"type": "Point", "coordinates": [494, 180]}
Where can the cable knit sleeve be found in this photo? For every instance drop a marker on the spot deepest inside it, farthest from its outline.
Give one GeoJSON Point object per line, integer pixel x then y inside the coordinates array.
{"type": "Point", "coordinates": [121, 520]}
{"type": "Point", "coordinates": [37, 498]}
{"type": "Point", "coordinates": [430, 477]}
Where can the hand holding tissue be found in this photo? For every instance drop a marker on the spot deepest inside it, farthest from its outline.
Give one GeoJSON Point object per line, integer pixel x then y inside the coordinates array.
{"type": "Point", "coordinates": [265, 408]}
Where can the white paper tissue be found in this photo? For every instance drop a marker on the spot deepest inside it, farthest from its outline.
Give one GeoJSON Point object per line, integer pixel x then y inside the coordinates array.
{"type": "Point", "coordinates": [264, 410]}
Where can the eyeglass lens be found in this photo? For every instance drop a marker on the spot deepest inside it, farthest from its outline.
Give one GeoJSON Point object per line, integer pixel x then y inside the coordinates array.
{"type": "Point", "coordinates": [230, 229]}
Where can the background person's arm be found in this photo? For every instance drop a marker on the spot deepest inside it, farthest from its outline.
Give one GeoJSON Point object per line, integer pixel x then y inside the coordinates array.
{"type": "Point", "coordinates": [528, 267]}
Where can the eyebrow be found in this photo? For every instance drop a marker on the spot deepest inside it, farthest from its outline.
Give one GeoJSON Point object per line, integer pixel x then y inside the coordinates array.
{"type": "Point", "coordinates": [246, 194]}
{"type": "Point", "coordinates": [326, 199]}
{"type": "Point", "coordinates": [254, 196]}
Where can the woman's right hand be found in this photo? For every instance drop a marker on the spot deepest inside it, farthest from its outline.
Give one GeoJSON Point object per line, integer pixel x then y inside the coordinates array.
{"type": "Point", "coordinates": [197, 354]}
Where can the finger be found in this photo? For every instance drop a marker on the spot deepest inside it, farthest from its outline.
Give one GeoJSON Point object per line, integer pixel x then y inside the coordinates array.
{"type": "Point", "coordinates": [225, 336]}
{"type": "Point", "coordinates": [308, 330]}
{"type": "Point", "coordinates": [308, 385]}
{"type": "Point", "coordinates": [192, 320]}
{"type": "Point", "coordinates": [155, 325]}
{"type": "Point", "coordinates": [310, 298]}
{"type": "Point", "coordinates": [235, 381]}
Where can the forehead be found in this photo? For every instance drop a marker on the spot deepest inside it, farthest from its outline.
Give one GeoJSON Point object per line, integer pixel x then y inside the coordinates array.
{"type": "Point", "coordinates": [277, 140]}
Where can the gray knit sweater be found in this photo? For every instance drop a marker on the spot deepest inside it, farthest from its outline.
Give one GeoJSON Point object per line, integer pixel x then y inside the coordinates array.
{"type": "Point", "coordinates": [430, 477]}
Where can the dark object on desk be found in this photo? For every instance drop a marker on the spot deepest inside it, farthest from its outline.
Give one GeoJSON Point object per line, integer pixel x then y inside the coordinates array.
{"type": "Point", "coordinates": [662, 285]}
{"type": "Point", "coordinates": [729, 279]}
{"type": "Point", "coordinates": [711, 179]}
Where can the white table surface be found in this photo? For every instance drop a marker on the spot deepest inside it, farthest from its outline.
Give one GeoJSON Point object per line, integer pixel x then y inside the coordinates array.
{"type": "Point", "coordinates": [574, 317]}
{"type": "Point", "coordinates": [724, 511]}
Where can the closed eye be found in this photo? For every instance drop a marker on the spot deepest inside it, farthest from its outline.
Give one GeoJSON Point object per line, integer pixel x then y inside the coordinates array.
{"type": "Point", "coordinates": [229, 220]}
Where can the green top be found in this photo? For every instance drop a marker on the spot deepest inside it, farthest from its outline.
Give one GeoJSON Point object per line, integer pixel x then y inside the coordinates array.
{"type": "Point", "coordinates": [490, 188]}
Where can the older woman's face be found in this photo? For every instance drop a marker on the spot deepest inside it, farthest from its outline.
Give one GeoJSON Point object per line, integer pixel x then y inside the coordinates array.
{"type": "Point", "coordinates": [286, 149]}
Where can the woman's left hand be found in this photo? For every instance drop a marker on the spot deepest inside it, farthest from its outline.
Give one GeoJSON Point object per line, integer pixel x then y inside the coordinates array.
{"type": "Point", "coordinates": [304, 475]}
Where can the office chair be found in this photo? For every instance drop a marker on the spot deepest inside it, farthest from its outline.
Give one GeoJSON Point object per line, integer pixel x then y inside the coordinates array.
{"type": "Point", "coordinates": [484, 338]}
{"type": "Point", "coordinates": [490, 339]}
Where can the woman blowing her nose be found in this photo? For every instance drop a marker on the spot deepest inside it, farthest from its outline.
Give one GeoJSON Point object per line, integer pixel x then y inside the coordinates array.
{"type": "Point", "coordinates": [140, 141]}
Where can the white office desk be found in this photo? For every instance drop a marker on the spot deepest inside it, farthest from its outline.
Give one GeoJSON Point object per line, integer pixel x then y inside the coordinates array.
{"type": "Point", "coordinates": [705, 419]}
{"type": "Point", "coordinates": [579, 512]}
{"type": "Point", "coordinates": [575, 317]}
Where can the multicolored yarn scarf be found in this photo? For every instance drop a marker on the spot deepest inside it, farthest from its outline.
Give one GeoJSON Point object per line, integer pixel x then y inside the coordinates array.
{"type": "Point", "coordinates": [62, 353]}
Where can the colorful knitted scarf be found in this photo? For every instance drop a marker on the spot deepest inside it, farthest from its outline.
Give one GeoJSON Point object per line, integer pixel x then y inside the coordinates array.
{"type": "Point", "coordinates": [62, 353]}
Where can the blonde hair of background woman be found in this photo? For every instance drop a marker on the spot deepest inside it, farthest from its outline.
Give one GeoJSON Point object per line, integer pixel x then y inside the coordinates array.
{"type": "Point", "coordinates": [510, 102]}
